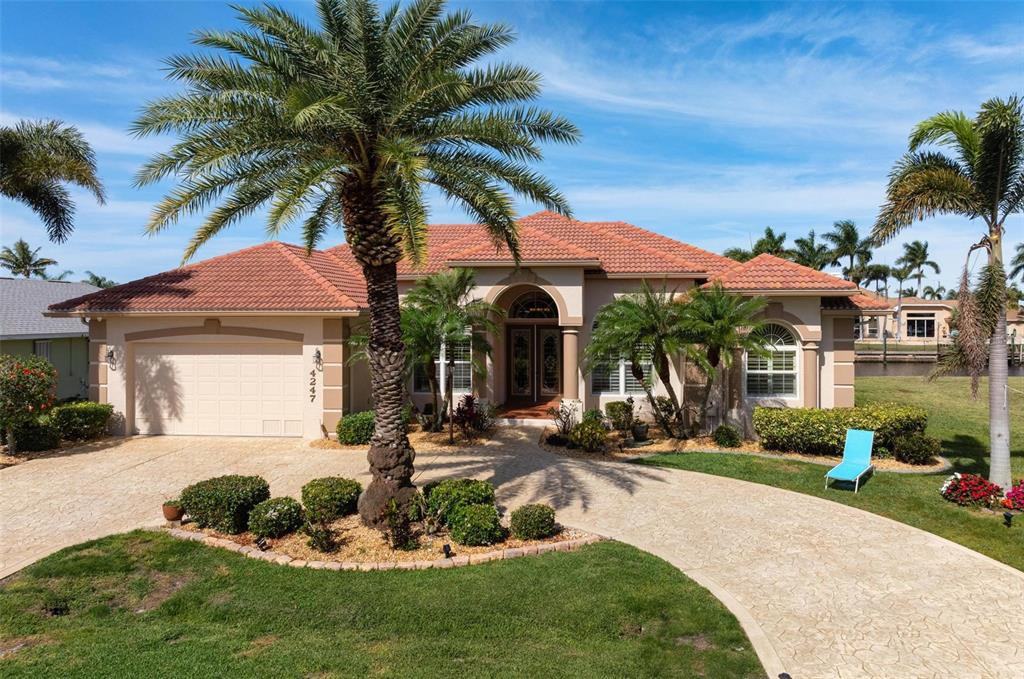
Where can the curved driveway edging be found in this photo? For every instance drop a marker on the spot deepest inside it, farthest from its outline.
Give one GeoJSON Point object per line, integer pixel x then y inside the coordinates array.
{"type": "Point", "coordinates": [822, 589]}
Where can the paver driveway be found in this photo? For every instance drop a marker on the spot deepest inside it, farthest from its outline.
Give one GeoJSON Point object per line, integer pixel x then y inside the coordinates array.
{"type": "Point", "coordinates": [823, 590]}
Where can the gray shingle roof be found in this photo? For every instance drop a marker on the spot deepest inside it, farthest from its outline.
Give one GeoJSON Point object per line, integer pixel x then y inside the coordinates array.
{"type": "Point", "coordinates": [23, 301]}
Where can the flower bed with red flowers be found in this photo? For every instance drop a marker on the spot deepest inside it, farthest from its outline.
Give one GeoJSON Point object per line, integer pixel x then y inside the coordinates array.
{"type": "Point", "coordinates": [1015, 496]}
{"type": "Point", "coordinates": [971, 490]}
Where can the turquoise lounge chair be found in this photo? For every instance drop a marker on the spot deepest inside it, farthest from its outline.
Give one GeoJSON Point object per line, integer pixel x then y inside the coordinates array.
{"type": "Point", "coordinates": [856, 458]}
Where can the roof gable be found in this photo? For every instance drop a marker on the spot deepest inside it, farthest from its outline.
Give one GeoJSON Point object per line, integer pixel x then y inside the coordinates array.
{"type": "Point", "coordinates": [767, 272]}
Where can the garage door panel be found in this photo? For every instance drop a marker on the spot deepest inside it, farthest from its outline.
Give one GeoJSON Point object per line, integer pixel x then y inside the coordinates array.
{"type": "Point", "coordinates": [217, 389]}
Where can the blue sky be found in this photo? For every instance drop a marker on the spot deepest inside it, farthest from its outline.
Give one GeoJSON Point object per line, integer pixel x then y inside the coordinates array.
{"type": "Point", "coordinates": [706, 122]}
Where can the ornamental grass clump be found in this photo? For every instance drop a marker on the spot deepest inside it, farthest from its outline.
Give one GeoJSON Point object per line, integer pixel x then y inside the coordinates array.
{"type": "Point", "coordinates": [970, 490]}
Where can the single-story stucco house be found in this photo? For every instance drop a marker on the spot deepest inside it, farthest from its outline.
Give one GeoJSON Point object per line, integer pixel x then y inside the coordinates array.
{"type": "Point", "coordinates": [25, 331]}
{"type": "Point", "coordinates": [914, 320]}
{"type": "Point", "coordinates": [253, 342]}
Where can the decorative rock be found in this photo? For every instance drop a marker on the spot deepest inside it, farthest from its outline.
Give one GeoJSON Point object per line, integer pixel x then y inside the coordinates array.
{"type": "Point", "coordinates": [458, 561]}
{"type": "Point", "coordinates": [406, 565]}
{"type": "Point", "coordinates": [480, 558]}
{"type": "Point", "coordinates": [545, 548]}
{"type": "Point", "coordinates": [282, 559]}
{"type": "Point", "coordinates": [512, 553]}
{"type": "Point", "coordinates": [387, 566]}
{"type": "Point", "coordinates": [530, 550]}
{"type": "Point", "coordinates": [367, 566]}
{"type": "Point", "coordinates": [298, 563]}
{"type": "Point", "coordinates": [443, 563]}
{"type": "Point", "coordinates": [332, 565]}
{"type": "Point", "coordinates": [318, 565]}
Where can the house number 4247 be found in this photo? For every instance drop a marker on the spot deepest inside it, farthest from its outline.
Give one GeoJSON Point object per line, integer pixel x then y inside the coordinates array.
{"type": "Point", "coordinates": [312, 385]}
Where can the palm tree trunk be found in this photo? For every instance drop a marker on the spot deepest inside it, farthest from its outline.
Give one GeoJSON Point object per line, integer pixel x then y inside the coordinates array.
{"type": "Point", "coordinates": [11, 450]}
{"type": "Point", "coordinates": [435, 417]}
{"type": "Point", "coordinates": [450, 379]}
{"type": "Point", "coordinates": [638, 374]}
{"type": "Point", "coordinates": [665, 375]}
{"type": "Point", "coordinates": [920, 276]}
{"type": "Point", "coordinates": [998, 390]}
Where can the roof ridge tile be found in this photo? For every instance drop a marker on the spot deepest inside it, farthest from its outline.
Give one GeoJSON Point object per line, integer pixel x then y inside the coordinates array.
{"type": "Point", "coordinates": [313, 273]}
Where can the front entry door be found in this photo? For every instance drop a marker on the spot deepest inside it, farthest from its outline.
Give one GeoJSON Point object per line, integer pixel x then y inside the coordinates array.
{"type": "Point", "coordinates": [535, 363]}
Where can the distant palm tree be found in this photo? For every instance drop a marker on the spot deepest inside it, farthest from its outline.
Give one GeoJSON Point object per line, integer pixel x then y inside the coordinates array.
{"type": "Point", "coordinates": [37, 158]}
{"type": "Point", "coordinates": [908, 292]}
{"type": "Point", "coordinates": [951, 293]}
{"type": "Point", "coordinates": [21, 260]}
{"type": "Point", "coordinates": [346, 122]}
{"type": "Point", "coordinates": [846, 242]}
{"type": "Point", "coordinates": [98, 281]}
{"type": "Point", "coordinates": [809, 252]}
{"type": "Point", "coordinates": [900, 275]}
{"type": "Point", "coordinates": [915, 256]}
{"type": "Point", "coordinates": [983, 181]}
{"type": "Point", "coordinates": [860, 270]}
{"type": "Point", "coordinates": [1017, 263]}
{"type": "Point", "coordinates": [62, 276]}
{"type": "Point", "coordinates": [770, 243]}
{"type": "Point", "coordinates": [879, 274]}
{"type": "Point", "coordinates": [933, 292]}
{"type": "Point", "coordinates": [644, 325]}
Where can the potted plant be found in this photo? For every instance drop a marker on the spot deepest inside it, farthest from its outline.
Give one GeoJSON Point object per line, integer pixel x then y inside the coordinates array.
{"type": "Point", "coordinates": [173, 510]}
{"type": "Point", "coordinates": [640, 430]}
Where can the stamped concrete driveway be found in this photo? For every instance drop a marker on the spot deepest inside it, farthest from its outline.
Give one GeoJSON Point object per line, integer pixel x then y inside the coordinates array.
{"type": "Point", "coordinates": [822, 589]}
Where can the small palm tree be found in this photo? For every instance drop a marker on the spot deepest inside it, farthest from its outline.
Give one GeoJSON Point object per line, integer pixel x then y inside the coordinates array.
{"type": "Point", "coordinates": [982, 179]}
{"type": "Point", "coordinates": [770, 243]}
{"type": "Point", "coordinates": [345, 123]}
{"type": "Point", "coordinates": [933, 292]}
{"type": "Point", "coordinates": [639, 326]}
{"type": "Point", "coordinates": [37, 159]}
{"type": "Point", "coordinates": [21, 260]}
{"type": "Point", "coordinates": [443, 302]}
{"type": "Point", "coordinates": [846, 242]}
{"type": "Point", "coordinates": [98, 281]}
{"type": "Point", "coordinates": [721, 323]}
{"type": "Point", "coordinates": [915, 256]}
{"type": "Point", "coordinates": [809, 252]}
{"type": "Point", "coordinates": [1017, 263]}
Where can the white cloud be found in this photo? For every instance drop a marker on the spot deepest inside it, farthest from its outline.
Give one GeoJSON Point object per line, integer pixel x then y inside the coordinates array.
{"type": "Point", "coordinates": [140, 77]}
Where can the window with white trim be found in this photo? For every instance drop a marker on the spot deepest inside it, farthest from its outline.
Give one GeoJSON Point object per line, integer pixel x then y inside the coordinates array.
{"type": "Point", "coordinates": [616, 377]}
{"type": "Point", "coordinates": [920, 325]}
{"type": "Point", "coordinates": [42, 349]}
{"type": "Point", "coordinates": [462, 369]}
{"type": "Point", "coordinates": [773, 374]}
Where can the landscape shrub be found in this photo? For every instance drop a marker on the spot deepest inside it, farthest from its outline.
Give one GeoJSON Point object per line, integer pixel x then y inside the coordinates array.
{"type": "Point", "coordinates": [727, 436]}
{"type": "Point", "coordinates": [473, 417]}
{"type": "Point", "coordinates": [823, 431]}
{"type": "Point", "coordinates": [590, 435]}
{"type": "Point", "coordinates": [446, 497]}
{"type": "Point", "coordinates": [556, 440]}
{"type": "Point", "coordinates": [224, 502]}
{"type": "Point", "coordinates": [533, 522]}
{"type": "Point", "coordinates": [27, 386]}
{"type": "Point", "coordinates": [1015, 496]}
{"type": "Point", "coordinates": [564, 417]}
{"type": "Point", "coordinates": [330, 498]}
{"type": "Point", "coordinates": [621, 415]}
{"type": "Point", "coordinates": [356, 429]}
{"type": "Point", "coordinates": [398, 527]}
{"type": "Point", "coordinates": [275, 517]}
{"type": "Point", "coordinates": [475, 525]}
{"type": "Point", "coordinates": [36, 434]}
{"type": "Point", "coordinates": [970, 490]}
{"type": "Point", "coordinates": [81, 420]}
{"type": "Point", "coordinates": [321, 536]}
{"type": "Point", "coordinates": [915, 448]}
{"type": "Point", "coordinates": [593, 415]}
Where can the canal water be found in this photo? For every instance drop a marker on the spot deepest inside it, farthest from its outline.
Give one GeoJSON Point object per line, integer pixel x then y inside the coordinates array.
{"type": "Point", "coordinates": [908, 369]}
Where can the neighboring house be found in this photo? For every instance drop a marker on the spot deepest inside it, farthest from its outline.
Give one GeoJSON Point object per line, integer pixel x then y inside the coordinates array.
{"type": "Point", "coordinates": [910, 320]}
{"type": "Point", "coordinates": [253, 342]}
{"type": "Point", "coordinates": [25, 331]}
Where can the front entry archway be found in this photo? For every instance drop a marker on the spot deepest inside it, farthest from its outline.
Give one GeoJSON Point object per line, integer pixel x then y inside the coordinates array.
{"type": "Point", "coordinates": [534, 350]}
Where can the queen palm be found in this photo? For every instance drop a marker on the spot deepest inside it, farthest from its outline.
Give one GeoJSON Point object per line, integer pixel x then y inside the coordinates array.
{"type": "Point", "coordinates": [982, 178]}
{"type": "Point", "coordinates": [37, 159]}
{"type": "Point", "coordinates": [846, 242]}
{"type": "Point", "coordinates": [344, 123]}
{"type": "Point", "coordinates": [915, 256]}
{"type": "Point", "coordinates": [98, 280]}
{"type": "Point", "coordinates": [810, 252]}
{"type": "Point", "coordinates": [770, 243]}
{"type": "Point", "coordinates": [722, 324]}
{"type": "Point", "coordinates": [879, 274]}
{"type": "Point", "coordinates": [933, 292]}
{"type": "Point", "coordinates": [639, 327]}
{"type": "Point", "coordinates": [22, 260]}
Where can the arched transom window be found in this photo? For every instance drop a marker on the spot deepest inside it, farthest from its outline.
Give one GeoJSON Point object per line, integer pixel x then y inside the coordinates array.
{"type": "Point", "coordinates": [534, 304]}
{"type": "Point", "coordinates": [775, 372]}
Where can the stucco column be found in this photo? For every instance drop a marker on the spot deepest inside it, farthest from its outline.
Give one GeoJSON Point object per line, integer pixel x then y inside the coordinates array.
{"type": "Point", "coordinates": [570, 364]}
{"type": "Point", "coordinates": [810, 374]}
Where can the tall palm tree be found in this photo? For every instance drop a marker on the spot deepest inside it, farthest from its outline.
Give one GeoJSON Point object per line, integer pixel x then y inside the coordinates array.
{"type": "Point", "coordinates": [640, 326]}
{"type": "Point", "coordinates": [37, 159]}
{"type": "Point", "coordinates": [934, 292]}
{"type": "Point", "coordinates": [721, 323]}
{"type": "Point", "coordinates": [98, 281]}
{"type": "Point", "coordinates": [809, 252]}
{"type": "Point", "coordinates": [860, 269]}
{"type": "Point", "coordinates": [915, 256]}
{"type": "Point", "coordinates": [21, 260]}
{"type": "Point", "coordinates": [982, 179]}
{"type": "Point", "coordinates": [846, 242]}
{"type": "Point", "coordinates": [1017, 263]}
{"type": "Point", "coordinates": [770, 243]}
{"type": "Point", "coordinates": [444, 301]}
{"type": "Point", "coordinates": [879, 274]}
{"type": "Point", "coordinates": [346, 122]}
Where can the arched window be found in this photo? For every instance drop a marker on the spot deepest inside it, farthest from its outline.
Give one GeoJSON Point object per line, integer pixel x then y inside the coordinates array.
{"type": "Point", "coordinates": [534, 304]}
{"type": "Point", "coordinates": [773, 374]}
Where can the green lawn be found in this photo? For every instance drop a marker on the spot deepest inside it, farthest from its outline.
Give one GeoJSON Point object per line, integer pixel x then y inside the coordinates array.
{"type": "Point", "coordinates": [961, 424]}
{"type": "Point", "coordinates": [145, 604]}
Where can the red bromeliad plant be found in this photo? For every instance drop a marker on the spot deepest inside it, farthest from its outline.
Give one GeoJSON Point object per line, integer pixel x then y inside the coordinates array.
{"type": "Point", "coordinates": [971, 490]}
{"type": "Point", "coordinates": [27, 385]}
{"type": "Point", "coordinates": [1015, 496]}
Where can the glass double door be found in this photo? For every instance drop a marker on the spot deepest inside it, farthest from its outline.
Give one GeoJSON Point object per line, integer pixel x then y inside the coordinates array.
{"type": "Point", "coordinates": [534, 363]}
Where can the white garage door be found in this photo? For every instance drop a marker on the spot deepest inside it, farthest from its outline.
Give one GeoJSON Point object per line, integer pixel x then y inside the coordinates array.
{"type": "Point", "coordinates": [225, 389]}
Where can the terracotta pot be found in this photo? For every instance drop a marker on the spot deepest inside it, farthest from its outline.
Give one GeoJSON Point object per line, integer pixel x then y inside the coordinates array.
{"type": "Point", "coordinates": [173, 513]}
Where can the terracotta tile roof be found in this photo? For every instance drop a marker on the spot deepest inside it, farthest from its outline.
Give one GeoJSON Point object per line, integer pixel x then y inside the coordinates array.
{"type": "Point", "coordinates": [268, 277]}
{"type": "Point", "coordinates": [534, 246]}
{"type": "Point", "coordinates": [767, 272]}
{"type": "Point", "coordinates": [859, 302]}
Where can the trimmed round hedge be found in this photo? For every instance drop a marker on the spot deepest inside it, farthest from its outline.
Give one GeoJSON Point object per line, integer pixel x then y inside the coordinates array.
{"type": "Point", "coordinates": [275, 517]}
{"type": "Point", "coordinates": [446, 497]}
{"type": "Point", "coordinates": [356, 429]}
{"type": "Point", "coordinates": [475, 525]}
{"type": "Point", "coordinates": [224, 502]}
{"type": "Point", "coordinates": [330, 498]}
{"type": "Point", "coordinates": [533, 522]}
{"type": "Point", "coordinates": [81, 420]}
{"type": "Point", "coordinates": [590, 435]}
{"type": "Point", "coordinates": [727, 436]}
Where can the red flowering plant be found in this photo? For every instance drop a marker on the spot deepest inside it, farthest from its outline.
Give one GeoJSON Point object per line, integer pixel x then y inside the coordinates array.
{"type": "Point", "coordinates": [1015, 496]}
{"type": "Point", "coordinates": [971, 489]}
{"type": "Point", "coordinates": [27, 385]}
